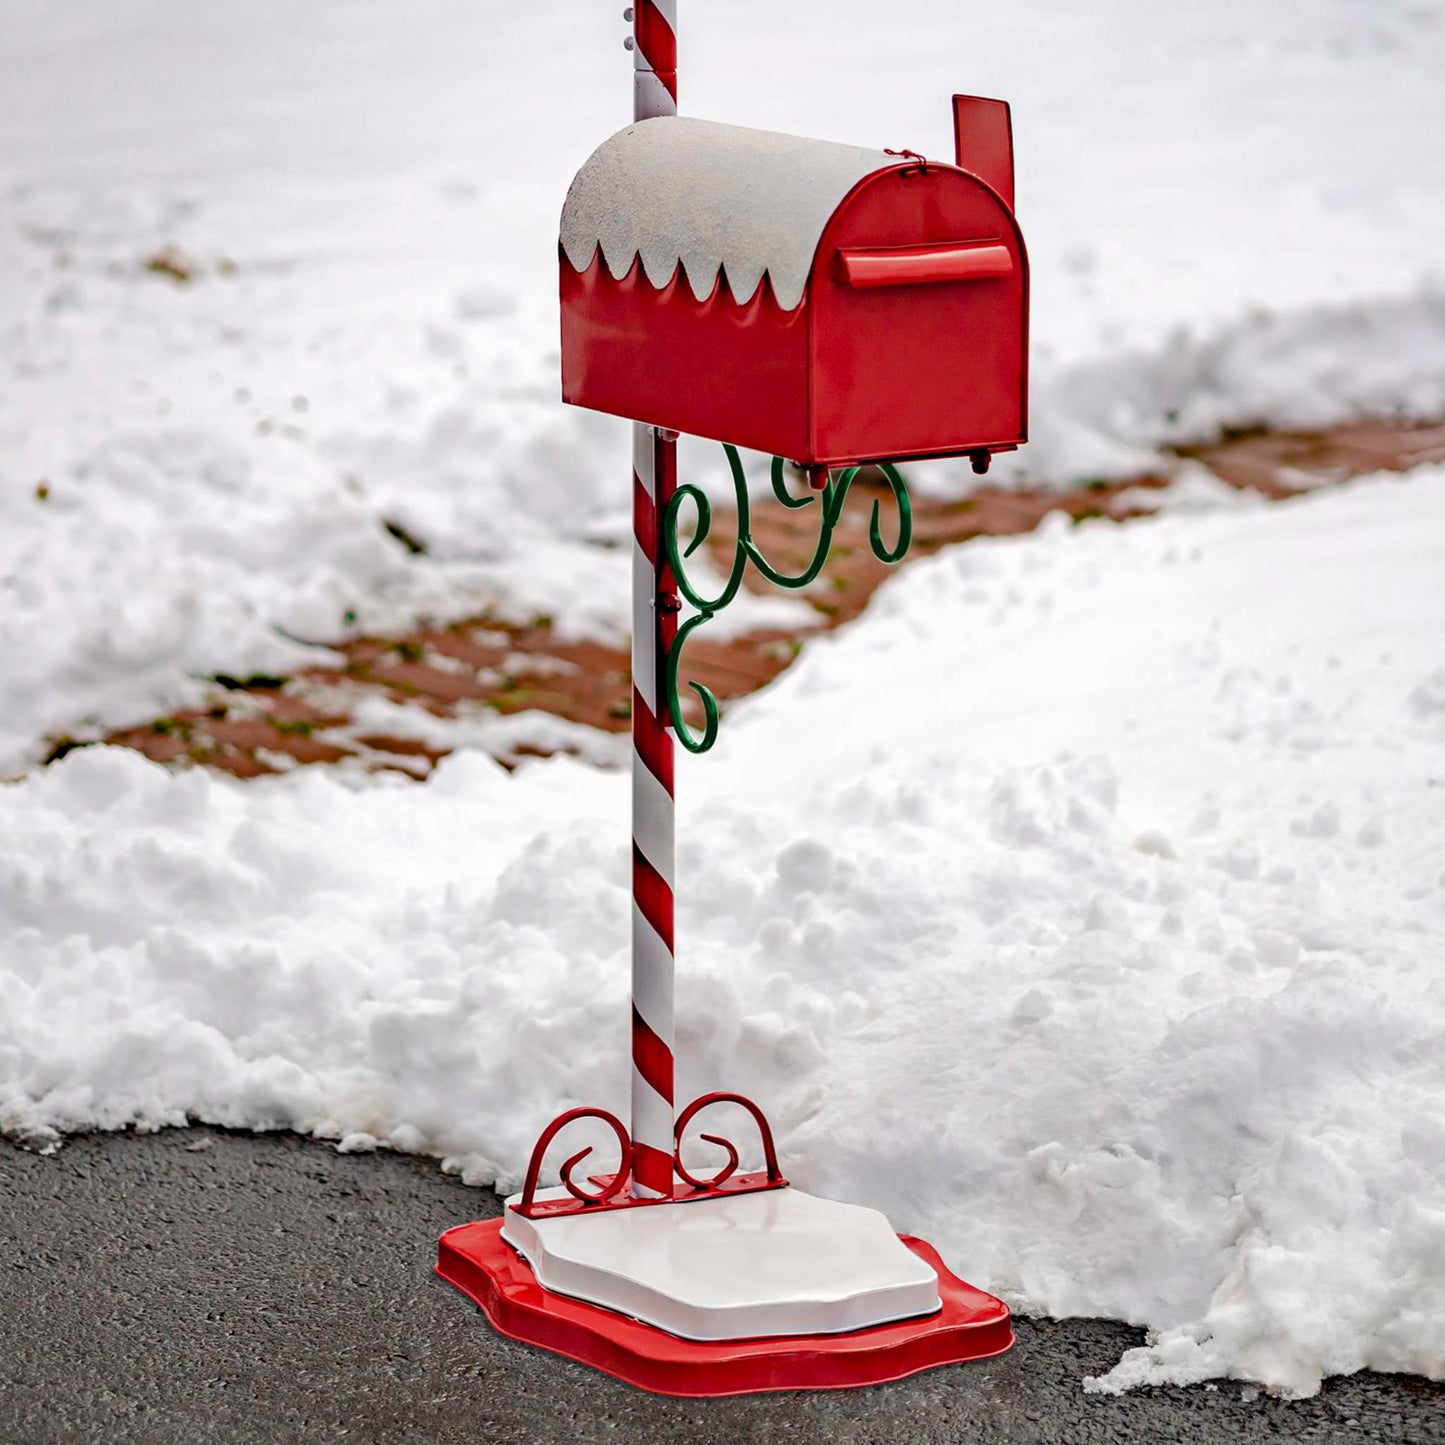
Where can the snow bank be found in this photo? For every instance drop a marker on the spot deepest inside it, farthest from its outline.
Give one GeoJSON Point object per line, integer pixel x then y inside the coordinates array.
{"type": "Point", "coordinates": [1083, 909]}
{"type": "Point", "coordinates": [274, 277]}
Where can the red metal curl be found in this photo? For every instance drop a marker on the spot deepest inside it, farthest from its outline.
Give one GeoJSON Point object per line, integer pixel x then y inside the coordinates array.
{"type": "Point", "coordinates": [770, 1153]}
{"type": "Point", "coordinates": [534, 1165]}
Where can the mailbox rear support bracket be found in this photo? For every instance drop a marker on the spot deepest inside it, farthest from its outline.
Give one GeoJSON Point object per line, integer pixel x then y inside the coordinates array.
{"type": "Point", "coordinates": [832, 495]}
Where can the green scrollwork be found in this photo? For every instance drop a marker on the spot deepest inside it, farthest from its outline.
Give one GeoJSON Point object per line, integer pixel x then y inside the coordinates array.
{"type": "Point", "coordinates": [831, 498]}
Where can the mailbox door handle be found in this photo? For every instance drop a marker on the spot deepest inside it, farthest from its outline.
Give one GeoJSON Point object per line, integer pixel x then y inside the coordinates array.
{"type": "Point", "coordinates": [920, 265]}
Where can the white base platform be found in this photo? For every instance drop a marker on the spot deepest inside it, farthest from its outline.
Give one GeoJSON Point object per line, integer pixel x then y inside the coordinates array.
{"type": "Point", "coordinates": [738, 1266]}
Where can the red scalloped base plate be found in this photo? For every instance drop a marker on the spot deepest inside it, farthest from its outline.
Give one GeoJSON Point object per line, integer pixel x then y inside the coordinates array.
{"type": "Point", "coordinates": [971, 1326]}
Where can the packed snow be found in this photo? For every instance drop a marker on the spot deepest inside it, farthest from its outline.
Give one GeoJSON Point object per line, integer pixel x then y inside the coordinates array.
{"type": "Point", "coordinates": [275, 275]}
{"type": "Point", "coordinates": [1082, 909]}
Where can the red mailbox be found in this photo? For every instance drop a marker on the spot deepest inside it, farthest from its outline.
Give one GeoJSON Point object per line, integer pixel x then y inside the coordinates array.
{"type": "Point", "coordinates": [833, 306]}
{"type": "Point", "coordinates": [821, 302]}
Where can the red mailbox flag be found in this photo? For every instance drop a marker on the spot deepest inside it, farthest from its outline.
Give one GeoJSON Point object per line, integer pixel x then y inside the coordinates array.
{"type": "Point", "coordinates": [983, 142]}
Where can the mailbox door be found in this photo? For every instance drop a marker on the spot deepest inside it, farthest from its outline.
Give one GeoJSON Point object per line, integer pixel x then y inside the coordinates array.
{"type": "Point", "coordinates": [919, 305]}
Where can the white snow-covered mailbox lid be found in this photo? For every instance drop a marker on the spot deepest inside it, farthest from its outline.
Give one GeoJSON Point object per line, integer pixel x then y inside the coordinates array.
{"type": "Point", "coordinates": [824, 302]}
{"type": "Point", "coordinates": [711, 196]}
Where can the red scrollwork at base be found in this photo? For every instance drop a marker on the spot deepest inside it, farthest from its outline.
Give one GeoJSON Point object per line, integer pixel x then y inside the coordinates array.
{"type": "Point", "coordinates": [610, 1189]}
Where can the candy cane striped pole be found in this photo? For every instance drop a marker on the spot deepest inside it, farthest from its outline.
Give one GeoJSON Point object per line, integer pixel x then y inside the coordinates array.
{"type": "Point", "coordinates": [654, 473]}
{"type": "Point", "coordinates": [654, 478]}
{"type": "Point", "coordinates": [654, 58]}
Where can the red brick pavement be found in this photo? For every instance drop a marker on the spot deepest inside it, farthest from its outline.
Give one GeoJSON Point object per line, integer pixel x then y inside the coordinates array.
{"type": "Point", "coordinates": [487, 669]}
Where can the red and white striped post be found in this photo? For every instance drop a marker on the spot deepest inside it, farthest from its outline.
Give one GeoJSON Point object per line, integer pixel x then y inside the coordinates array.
{"type": "Point", "coordinates": [654, 624]}
{"type": "Point", "coordinates": [654, 58]}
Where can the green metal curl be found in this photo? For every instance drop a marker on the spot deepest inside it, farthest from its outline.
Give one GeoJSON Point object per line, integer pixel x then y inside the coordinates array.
{"type": "Point", "coordinates": [833, 495]}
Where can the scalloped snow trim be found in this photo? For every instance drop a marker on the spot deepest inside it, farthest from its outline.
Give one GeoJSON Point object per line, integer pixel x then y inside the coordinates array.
{"type": "Point", "coordinates": [711, 197]}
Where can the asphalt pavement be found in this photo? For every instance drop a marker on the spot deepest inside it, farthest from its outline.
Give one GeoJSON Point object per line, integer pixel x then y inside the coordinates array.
{"type": "Point", "coordinates": [198, 1285]}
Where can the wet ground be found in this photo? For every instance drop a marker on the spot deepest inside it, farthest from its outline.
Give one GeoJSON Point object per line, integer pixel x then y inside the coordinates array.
{"type": "Point", "coordinates": [198, 1285]}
